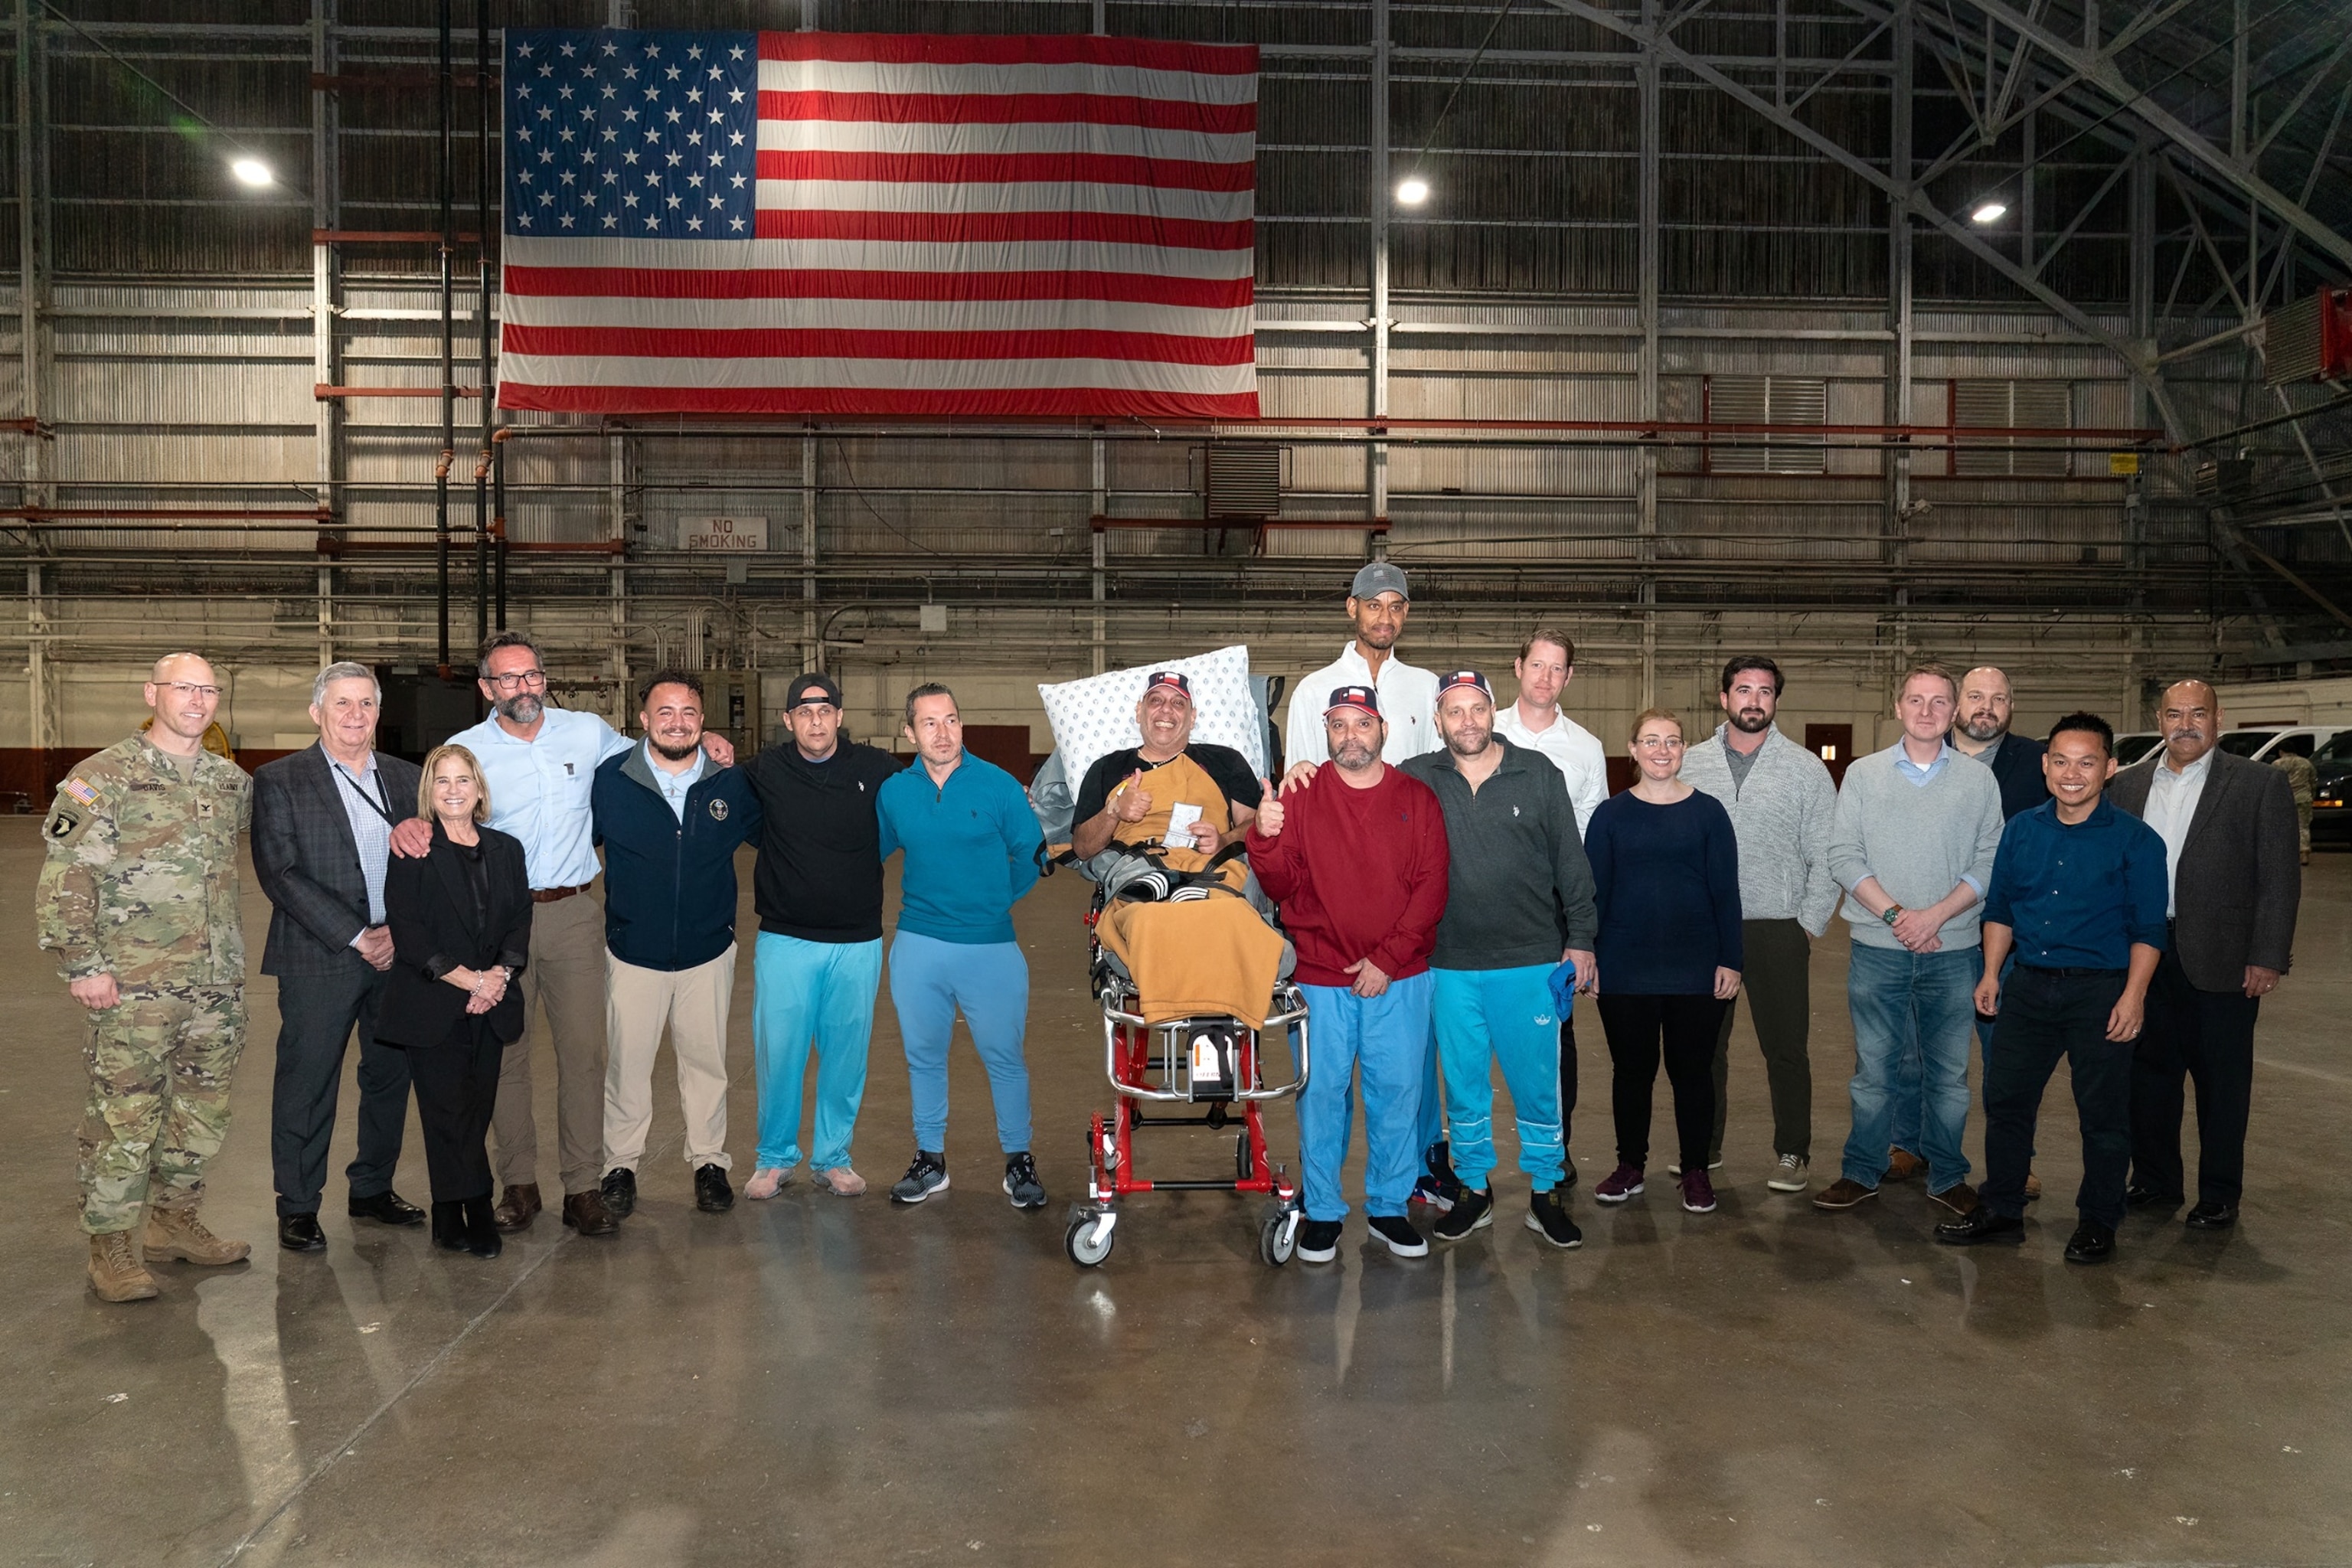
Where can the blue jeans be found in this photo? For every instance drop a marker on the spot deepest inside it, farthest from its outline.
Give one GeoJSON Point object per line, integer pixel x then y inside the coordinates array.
{"type": "Point", "coordinates": [821, 994]}
{"type": "Point", "coordinates": [1387, 1035]}
{"type": "Point", "coordinates": [1489, 1016]}
{"type": "Point", "coordinates": [929, 980]}
{"type": "Point", "coordinates": [1903, 1115]}
{"type": "Point", "coordinates": [1917, 1006]}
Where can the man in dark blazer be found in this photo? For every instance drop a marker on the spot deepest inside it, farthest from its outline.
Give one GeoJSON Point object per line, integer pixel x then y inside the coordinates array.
{"type": "Point", "coordinates": [1980, 730]}
{"type": "Point", "coordinates": [2230, 854]}
{"type": "Point", "coordinates": [322, 823]}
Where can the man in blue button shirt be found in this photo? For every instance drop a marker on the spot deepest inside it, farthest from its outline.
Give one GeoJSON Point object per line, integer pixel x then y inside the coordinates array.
{"type": "Point", "coordinates": [2079, 888]}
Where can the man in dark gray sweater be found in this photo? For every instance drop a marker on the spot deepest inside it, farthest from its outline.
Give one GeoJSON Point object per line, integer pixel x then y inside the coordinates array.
{"type": "Point", "coordinates": [1518, 904]}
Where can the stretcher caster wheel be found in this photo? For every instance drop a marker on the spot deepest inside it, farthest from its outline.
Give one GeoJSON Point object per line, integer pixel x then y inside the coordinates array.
{"type": "Point", "coordinates": [1243, 1164]}
{"type": "Point", "coordinates": [1088, 1240]}
{"type": "Point", "coordinates": [1277, 1239]}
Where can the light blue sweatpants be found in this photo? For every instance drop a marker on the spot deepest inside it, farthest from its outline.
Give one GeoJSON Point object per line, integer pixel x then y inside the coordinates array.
{"type": "Point", "coordinates": [1388, 1038]}
{"type": "Point", "coordinates": [1488, 1015]}
{"type": "Point", "coordinates": [929, 980]}
{"type": "Point", "coordinates": [819, 994]}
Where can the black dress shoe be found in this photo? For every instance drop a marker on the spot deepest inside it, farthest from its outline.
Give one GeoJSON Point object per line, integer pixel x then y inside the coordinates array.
{"type": "Point", "coordinates": [2091, 1243]}
{"type": "Point", "coordinates": [620, 1189]}
{"type": "Point", "coordinates": [711, 1193]}
{"type": "Point", "coordinates": [2212, 1216]}
{"type": "Point", "coordinates": [1979, 1225]}
{"type": "Point", "coordinates": [449, 1225]}
{"type": "Point", "coordinates": [386, 1207]}
{"type": "Point", "coordinates": [301, 1233]}
{"type": "Point", "coordinates": [480, 1229]}
{"type": "Point", "coordinates": [2139, 1197]}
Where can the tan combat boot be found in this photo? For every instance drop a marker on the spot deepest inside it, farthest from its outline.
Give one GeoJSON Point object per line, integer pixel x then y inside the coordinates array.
{"type": "Point", "coordinates": [178, 1233]}
{"type": "Point", "coordinates": [115, 1271]}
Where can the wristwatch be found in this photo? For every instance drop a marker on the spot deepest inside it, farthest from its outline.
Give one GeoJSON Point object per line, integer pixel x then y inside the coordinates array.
{"type": "Point", "coordinates": [1890, 913]}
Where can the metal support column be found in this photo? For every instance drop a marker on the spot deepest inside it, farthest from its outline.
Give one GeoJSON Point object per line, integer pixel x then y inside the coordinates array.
{"type": "Point", "coordinates": [488, 395]}
{"type": "Point", "coordinates": [812, 647]}
{"type": "Point", "coordinates": [1900, 170]}
{"type": "Point", "coordinates": [33, 456]}
{"type": "Point", "coordinates": [1376, 456]}
{"type": "Point", "coordinates": [449, 356]}
{"type": "Point", "coordinates": [616, 457]}
{"type": "Point", "coordinates": [1645, 496]}
{"type": "Point", "coordinates": [327, 412]}
{"type": "Point", "coordinates": [1100, 507]}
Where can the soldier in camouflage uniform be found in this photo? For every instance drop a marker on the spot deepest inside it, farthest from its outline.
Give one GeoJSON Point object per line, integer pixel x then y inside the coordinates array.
{"type": "Point", "coordinates": [2304, 780]}
{"type": "Point", "coordinates": [139, 903]}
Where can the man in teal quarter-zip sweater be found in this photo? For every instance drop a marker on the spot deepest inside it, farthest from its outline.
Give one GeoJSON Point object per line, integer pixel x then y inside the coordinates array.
{"type": "Point", "coordinates": [972, 850]}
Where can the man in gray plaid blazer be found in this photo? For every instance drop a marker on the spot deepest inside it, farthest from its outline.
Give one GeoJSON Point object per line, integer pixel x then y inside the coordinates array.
{"type": "Point", "coordinates": [322, 822]}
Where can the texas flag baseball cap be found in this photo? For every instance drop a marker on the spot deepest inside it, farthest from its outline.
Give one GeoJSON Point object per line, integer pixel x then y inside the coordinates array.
{"type": "Point", "coordinates": [1173, 680]}
{"type": "Point", "coordinates": [1362, 696]}
{"type": "Point", "coordinates": [1454, 678]}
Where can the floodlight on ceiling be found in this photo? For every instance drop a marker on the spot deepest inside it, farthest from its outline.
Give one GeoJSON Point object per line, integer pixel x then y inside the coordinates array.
{"type": "Point", "coordinates": [1413, 192]}
{"type": "Point", "coordinates": [1989, 212]}
{"type": "Point", "coordinates": [252, 172]}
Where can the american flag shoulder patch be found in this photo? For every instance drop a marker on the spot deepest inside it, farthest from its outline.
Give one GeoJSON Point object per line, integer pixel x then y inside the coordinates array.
{"type": "Point", "coordinates": [81, 791]}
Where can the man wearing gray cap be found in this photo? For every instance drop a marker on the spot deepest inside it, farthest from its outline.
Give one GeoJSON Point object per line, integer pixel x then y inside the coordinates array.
{"type": "Point", "coordinates": [1378, 605]}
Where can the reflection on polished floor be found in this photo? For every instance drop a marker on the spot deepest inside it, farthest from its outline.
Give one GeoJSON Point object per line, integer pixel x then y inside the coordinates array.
{"type": "Point", "coordinates": [820, 1381]}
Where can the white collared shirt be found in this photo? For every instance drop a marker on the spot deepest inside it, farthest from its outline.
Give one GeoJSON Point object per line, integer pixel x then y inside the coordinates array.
{"type": "Point", "coordinates": [675, 787]}
{"type": "Point", "coordinates": [1574, 750]}
{"type": "Point", "coordinates": [2172, 800]}
{"type": "Point", "coordinates": [539, 789]}
{"type": "Point", "coordinates": [1408, 704]}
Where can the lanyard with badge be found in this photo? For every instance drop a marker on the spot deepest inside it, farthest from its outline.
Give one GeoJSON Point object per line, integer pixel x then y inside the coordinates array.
{"type": "Point", "coordinates": [374, 805]}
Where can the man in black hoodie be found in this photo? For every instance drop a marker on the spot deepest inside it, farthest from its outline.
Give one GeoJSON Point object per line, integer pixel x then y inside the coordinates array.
{"type": "Point", "coordinates": [818, 890]}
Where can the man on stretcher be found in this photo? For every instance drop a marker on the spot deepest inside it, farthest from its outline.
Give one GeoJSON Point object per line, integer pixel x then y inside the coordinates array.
{"type": "Point", "coordinates": [1185, 801]}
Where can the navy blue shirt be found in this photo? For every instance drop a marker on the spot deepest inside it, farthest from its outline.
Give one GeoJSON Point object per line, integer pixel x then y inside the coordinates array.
{"type": "Point", "coordinates": [1665, 881]}
{"type": "Point", "coordinates": [2078, 897]}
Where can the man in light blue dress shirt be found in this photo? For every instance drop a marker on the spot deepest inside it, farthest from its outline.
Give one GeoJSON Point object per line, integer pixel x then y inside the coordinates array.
{"type": "Point", "coordinates": [538, 764]}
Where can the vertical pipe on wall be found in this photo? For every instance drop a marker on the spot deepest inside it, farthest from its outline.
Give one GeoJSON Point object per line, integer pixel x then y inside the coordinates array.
{"type": "Point", "coordinates": [1647, 265]}
{"type": "Point", "coordinates": [38, 673]}
{"type": "Point", "coordinates": [1376, 456]}
{"type": "Point", "coordinates": [813, 652]}
{"type": "Point", "coordinates": [482, 315]}
{"type": "Point", "coordinates": [326, 412]}
{"type": "Point", "coordinates": [448, 368]}
{"type": "Point", "coordinates": [1898, 300]}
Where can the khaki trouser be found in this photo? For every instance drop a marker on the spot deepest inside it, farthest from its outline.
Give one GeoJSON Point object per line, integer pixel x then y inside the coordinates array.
{"type": "Point", "coordinates": [693, 1004]}
{"type": "Point", "coordinates": [564, 985]}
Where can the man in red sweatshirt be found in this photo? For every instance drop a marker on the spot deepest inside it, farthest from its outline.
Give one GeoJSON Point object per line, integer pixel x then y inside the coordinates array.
{"type": "Point", "coordinates": [1357, 860]}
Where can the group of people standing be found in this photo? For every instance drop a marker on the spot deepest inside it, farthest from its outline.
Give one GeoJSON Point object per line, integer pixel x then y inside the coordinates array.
{"type": "Point", "coordinates": [1452, 874]}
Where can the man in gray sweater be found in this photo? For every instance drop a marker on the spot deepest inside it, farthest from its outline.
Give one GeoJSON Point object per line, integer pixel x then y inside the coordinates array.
{"type": "Point", "coordinates": [1783, 809]}
{"type": "Point", "coordinates": [1518, 904]}
{"type": "Point", "coordinates": [1917, 826]}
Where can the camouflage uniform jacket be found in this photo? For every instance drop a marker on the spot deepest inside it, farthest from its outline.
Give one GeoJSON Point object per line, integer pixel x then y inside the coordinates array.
{"type": "Point", "coordinates": [141, 880]}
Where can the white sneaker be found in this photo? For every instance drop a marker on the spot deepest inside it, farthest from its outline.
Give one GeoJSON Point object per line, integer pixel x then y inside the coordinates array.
{"type": "Point", "coordinates": [1789, 1175]}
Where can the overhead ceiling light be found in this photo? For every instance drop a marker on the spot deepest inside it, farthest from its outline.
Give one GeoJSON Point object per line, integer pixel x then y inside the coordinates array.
{"type": "Point", "coordinates": [1989, 212]}
{"type": "Point", "coordinates": [1412, 193]}
{"type": "Point", "coordinates": [252, 172]}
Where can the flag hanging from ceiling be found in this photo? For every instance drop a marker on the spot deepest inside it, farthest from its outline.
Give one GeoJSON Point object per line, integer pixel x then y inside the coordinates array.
{"type": "Point", "coordinates": [841, 223]}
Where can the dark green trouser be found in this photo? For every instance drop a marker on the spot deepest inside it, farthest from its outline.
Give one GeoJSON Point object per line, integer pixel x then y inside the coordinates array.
{"type": "Point", "coordinates": [1779, 1001]}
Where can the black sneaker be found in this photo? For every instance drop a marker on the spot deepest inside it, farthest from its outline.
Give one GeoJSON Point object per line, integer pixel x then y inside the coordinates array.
{"type": "Point", "coordinates": [1548, 1218]}
{"type": "Point", "coordinates": [1319, 1240]}
{"type": "Point", "coordinates": [1437, 1186]}
{"type": "Point", "coordinates": [1020, 1183]}
{"type": "Point", "coordinates": [711, 1193]}
{"type": "Point", "coordinates": [926, 1175]}
{"type": "Point", "coordinates": [1396, 1232]}
{"type": "Point", "coordinates": [1471, 1211]}
{"type": "Point", "coordinates": [620, 1189]}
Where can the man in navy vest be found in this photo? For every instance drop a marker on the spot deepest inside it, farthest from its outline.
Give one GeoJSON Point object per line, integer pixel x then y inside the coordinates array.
{"type": "Point", "coordinates": [669, 822]}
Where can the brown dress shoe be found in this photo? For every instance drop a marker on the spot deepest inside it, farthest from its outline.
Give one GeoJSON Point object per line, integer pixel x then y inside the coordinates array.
{"type": "Point", "coordinates": [1842, 1194]}
{"type": "Point", "coordinates": [586, 1212]}
{"type": "Point", "coordinates": [1902, 1165]}
{"type": "Point", "coordinates": [1959, 1197]}
{"type": "Point", "coordinates": [179, 1234]}
{"type": "Point", "coordinates": [115, 1271]}
{"type": "Point", "coordinates": [2033, 1187]}
{"type": "Point", "coordinates": [517, 1207]}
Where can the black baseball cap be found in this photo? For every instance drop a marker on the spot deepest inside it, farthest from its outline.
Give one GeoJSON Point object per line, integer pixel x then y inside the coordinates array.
{"type": "Point", "coordinates": [812, 685]}
{"type": "Point", "coordinates": [1362, 696]}
{"type": "Point", "coordinates": [1175, 680]}
{"type": "Point", "coordinates": [1453, 678]}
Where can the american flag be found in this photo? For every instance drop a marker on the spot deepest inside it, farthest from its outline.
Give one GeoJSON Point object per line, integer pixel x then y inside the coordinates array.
{"type": "Point", "coordinates": [842, 223]}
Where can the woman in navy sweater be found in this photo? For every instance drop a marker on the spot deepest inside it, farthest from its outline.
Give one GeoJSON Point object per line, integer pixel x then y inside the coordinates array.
{"type": "Point", "coordinates": [1665, 876]}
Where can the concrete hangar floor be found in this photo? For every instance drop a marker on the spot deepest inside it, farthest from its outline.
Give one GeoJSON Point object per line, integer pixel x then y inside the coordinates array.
{"type": "Point", "coordinates": [818, 1381]}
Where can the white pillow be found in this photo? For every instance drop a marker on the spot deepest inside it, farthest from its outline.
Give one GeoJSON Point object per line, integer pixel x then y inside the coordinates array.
{"type": "Point", "coordinates": [1095, 717]}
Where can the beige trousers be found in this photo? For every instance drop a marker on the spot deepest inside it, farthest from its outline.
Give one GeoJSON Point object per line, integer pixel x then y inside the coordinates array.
{"type": "Point", "coordinates": [564, 985]}
{"type": "Point", "coordinates": [693, 1004]}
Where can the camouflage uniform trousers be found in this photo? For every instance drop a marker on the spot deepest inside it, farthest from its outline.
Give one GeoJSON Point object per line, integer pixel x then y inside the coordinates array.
{"type": "Point", "coordinates": [160, 1063]}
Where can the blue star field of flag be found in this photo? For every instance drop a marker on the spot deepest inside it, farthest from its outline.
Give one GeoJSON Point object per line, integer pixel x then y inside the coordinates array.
{"type": "Point", "coordinates": [648, 135]}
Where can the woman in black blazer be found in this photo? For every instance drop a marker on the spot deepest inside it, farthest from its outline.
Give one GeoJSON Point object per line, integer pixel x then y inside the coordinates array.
{"type": "Point", "coordinates": [460, 920]}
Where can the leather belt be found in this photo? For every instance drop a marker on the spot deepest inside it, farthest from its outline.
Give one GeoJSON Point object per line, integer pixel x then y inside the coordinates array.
{"type": "Point", "coordinates": [2078, 973]}
{"type": "Point", "coordinates": [550, 895]}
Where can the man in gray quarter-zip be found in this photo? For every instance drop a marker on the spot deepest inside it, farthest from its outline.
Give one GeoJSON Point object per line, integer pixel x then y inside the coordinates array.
{"type": "Point", "coordinates": [1783, 808]}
